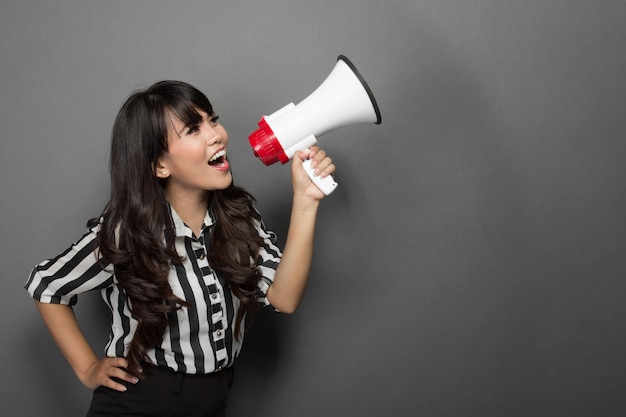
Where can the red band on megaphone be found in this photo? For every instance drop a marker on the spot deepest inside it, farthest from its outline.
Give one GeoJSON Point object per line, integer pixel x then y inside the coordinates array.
{"type": "Point", "coordinates": [265, 145]}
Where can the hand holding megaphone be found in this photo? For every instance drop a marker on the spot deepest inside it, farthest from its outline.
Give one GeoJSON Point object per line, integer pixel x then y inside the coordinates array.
{"type": "Point", "coordinates": [344, 98]}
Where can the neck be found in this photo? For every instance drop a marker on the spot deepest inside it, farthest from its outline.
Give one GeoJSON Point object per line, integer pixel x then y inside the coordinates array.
{"type": "Point", "coordinates": [190, 207]}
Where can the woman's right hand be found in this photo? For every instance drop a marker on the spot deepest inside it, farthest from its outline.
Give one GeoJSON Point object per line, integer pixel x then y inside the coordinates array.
{"type": "Point", "coordinates": [102, 372]}
{"type": "Point", "coordinates": [91, 371]}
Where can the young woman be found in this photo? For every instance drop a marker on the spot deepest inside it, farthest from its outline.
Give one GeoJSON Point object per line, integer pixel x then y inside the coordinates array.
{"type": "Point", "coordinates": [181, 258]}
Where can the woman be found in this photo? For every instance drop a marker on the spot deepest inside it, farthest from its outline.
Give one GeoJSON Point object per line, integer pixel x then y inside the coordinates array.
{"type": "Point", "coordinates": [181, 258]}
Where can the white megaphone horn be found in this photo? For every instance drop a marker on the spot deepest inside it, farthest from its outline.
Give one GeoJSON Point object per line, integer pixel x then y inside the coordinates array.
{"type": "Point", "coordinates": [344, 98]}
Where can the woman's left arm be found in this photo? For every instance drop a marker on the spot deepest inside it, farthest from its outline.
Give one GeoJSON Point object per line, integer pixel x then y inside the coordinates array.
{"type": "Point", "coordinates": [292, 274]}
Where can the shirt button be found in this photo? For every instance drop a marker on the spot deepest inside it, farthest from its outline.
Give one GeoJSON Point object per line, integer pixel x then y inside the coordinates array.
{"type": "Point", "coordinates": [214, 296]}
{"type": "Point", "coordinates": [201, 257]}
{"type": "Point", "coordinates": [219, 333]}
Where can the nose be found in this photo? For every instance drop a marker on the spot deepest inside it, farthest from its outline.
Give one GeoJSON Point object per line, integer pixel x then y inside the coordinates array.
{"type": "Point", "coordinates": [213, 136]}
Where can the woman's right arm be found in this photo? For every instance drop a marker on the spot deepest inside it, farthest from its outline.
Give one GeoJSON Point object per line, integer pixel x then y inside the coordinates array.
{"type": "Point", "coordinates": [55, 285]}
{"type": "Point", "coordinates": [65, 331]}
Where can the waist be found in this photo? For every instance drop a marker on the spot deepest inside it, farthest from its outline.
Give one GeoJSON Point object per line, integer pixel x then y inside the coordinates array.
{"type": "Point", "coordinates": [167, 372]}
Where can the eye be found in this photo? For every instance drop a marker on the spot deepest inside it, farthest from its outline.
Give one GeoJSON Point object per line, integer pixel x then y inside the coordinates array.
{"type": "Point", "coordinates": [193, 129]}
{"type": "Point", "coordinates": [213, 120]}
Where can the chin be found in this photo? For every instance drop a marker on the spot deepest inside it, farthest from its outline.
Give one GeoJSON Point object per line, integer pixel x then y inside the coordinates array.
{"type": "Point", "coordinates": [225, 183]}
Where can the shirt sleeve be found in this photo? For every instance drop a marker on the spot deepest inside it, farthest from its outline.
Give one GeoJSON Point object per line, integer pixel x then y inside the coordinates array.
{"type": "Point", "coordinates": [267, 262]}
{"type": "Point", "coordinates": [78, 269]}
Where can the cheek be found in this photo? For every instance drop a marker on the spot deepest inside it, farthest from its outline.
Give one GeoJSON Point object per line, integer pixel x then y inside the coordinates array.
{"type": "Point", "coordinates": [191, 152]}
{"type": "Point", "coordinates": [194, 150]}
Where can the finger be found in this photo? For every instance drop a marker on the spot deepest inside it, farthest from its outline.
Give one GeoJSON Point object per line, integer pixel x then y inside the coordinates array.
{"type": "Point", "coordinates": [302, 155]}
{"type": "Point", "coordinates": [110, 383]}
{"type": "Point", "coordinates": [123, 375]}
{"type": "Point", "coordinates": [116, 362]}
{"type": "Point", "coordinates": [316, 157]}
{"type": "Point", "coordinates": [123, 363]}
{"type": "Point", "coordinates": [116, 368]}
{"type": "Point", "coordinates": [319, 155]}
{"type": "Point", "coordinates": [322, 166]}
{"type": "Point", "coordinates": [329, 170]}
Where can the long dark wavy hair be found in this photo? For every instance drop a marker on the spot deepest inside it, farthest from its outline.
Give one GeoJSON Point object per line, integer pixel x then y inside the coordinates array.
{"type": "Point", "coordinates": [137, 234]}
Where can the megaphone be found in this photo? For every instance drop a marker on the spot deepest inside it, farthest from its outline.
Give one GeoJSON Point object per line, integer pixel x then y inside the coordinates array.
{"type": "Point", "coordinates": [344, 98]}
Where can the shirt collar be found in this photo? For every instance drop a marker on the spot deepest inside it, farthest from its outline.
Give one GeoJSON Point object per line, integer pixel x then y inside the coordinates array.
{"type": "Point", "coordinates": [181, 229]}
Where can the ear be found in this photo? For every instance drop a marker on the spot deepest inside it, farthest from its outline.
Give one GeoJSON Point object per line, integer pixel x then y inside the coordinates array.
{"type": "Point", "coordinates": [160, 169]}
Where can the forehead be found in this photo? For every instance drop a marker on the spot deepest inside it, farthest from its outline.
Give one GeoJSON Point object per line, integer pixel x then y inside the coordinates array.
{"type": "Point", "coordinates": [188, 118]}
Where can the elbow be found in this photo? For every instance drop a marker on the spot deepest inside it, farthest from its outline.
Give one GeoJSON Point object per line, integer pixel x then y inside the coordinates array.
{"type": "Point", "coordinates": [282, 302]}
{"type": "Point", "coordinates": [287, 309]}
{"type": "Point", "coordinates": [284, 307]}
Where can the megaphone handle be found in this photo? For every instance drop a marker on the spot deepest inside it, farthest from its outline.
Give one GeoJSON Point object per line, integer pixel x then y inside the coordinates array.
{"type": "Point", "coordinates": [327, 184]}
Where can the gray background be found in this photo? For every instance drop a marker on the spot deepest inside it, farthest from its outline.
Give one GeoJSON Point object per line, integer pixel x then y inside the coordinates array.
{"type": "Point", "coordinates": [471, 262]}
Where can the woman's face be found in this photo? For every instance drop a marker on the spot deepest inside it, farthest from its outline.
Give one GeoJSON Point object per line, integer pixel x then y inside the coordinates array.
{"type": "Point", "coordinates": [195, 161]}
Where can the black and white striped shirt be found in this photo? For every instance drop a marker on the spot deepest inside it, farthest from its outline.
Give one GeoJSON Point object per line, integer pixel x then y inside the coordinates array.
{"type": "Point", "coordinates": [198, 340]}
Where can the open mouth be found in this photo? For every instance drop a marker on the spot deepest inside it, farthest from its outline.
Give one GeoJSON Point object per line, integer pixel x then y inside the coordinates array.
{"type": "Point", "coordinates": [218, 159]}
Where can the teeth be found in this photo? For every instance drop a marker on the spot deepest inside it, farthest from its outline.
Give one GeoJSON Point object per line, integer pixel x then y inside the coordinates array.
{"type": "Point", "coordinates": [217, 155]}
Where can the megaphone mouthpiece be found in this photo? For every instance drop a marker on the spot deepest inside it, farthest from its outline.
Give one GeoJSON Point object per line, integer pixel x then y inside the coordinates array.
{"type": "Point", "coordinates": [265, 145]}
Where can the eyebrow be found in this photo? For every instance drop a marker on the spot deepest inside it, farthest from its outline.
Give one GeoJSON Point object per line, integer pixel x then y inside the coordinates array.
{"type": "Point", "coordinates": [180, 134]}
{"type": "Point", "coordinates": [191, 123]}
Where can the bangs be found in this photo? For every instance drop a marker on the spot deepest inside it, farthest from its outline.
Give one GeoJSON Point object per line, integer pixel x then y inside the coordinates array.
{"type": "Point", "coordinates": [188, 113]}
{"type": "Point", "coordinates": [183, 101]}
{"type": "Point", "coordinates": [187, 110]}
